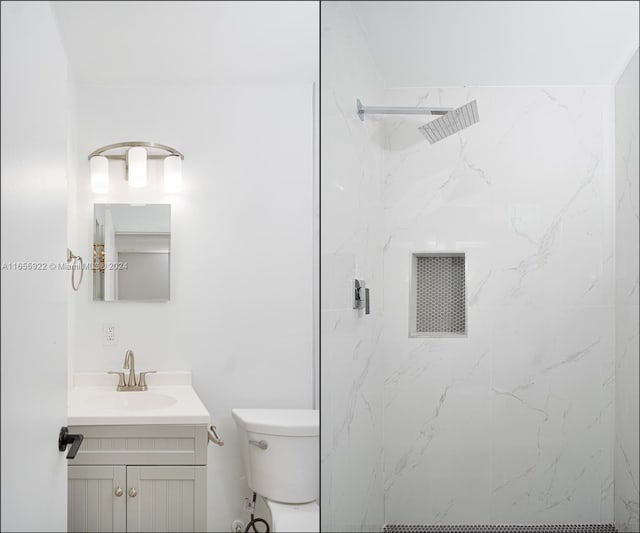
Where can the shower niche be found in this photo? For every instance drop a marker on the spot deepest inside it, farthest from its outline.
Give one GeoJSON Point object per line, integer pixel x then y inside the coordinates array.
{"type": "Point", "coordinates": [438, 295]}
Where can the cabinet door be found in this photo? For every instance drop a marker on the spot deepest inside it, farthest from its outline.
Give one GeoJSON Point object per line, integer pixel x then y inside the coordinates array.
{"type": "Point", "coordinates": [167, 498]}
{"type": "Point", "coordinates": [93, 504]}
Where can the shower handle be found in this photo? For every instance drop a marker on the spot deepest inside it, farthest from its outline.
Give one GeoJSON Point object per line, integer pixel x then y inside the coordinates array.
{"type": "Point", "coordinates": [361, 296]}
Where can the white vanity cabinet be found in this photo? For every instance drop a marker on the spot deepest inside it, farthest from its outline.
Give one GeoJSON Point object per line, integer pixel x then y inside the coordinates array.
{"type": "Point", "coordinates": [138, 478]}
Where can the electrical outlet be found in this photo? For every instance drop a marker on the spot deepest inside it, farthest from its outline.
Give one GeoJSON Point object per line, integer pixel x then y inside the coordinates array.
{"type": "Point", "coordinates": [248, 505]}
{"type": "Point", "coordinates": [108, 334]}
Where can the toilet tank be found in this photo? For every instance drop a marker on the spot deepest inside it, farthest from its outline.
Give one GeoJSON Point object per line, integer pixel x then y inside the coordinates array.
{"type": "Point", "coordinates": [280, 450]}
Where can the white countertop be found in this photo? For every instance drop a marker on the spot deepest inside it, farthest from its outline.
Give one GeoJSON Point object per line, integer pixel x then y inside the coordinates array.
{"type": "Point", "coordinates": [170, 399]}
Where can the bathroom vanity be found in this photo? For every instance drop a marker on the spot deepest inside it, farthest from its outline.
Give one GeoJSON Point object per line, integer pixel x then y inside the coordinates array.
{"type": "Point", "coordinates": [142, 462]}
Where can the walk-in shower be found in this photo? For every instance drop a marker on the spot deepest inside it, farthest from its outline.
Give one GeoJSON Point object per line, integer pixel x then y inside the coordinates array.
{"type": "Point", "coordinates": [451, 121]}
{"type": "Point", "coordinates": [458, 404]}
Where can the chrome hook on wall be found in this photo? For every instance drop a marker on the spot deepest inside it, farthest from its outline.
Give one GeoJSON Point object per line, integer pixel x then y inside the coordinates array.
{"type": "Point", "coordinates": [212, 436]}
{"type": "Point", "coordinates": [73, 259]}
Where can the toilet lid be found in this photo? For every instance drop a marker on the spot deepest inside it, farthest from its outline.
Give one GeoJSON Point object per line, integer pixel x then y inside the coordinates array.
{"type": "Point", "coordinates": [301, 518]}
{"type": "Point", "coordinates": [283, 422]}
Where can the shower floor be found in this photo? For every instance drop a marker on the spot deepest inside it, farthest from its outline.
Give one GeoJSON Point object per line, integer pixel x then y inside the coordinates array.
{"type": "Point", "coordinates": [565, 528]}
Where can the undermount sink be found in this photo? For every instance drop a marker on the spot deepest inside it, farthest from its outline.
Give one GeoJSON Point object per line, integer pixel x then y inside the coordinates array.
{"type": "Point", "coordinates": [134, 401]}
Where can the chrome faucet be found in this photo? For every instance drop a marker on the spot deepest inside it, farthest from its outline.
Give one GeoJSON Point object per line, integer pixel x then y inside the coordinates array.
{"type": "Point", "coordinates": [132, 384]}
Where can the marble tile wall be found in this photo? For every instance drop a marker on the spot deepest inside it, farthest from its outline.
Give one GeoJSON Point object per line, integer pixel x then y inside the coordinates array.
{"type": "Point", "coordinates": [514, 423]}
{"type": "Point", "coordinates": [626, 302]}
{"type": "Point", "coordinates": [351, 370]}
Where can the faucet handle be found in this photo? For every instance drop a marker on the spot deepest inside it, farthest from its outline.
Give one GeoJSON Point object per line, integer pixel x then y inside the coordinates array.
{"type": "Point", "coordinates": [143, 379]}
{"type": "Point", "coordinates": [120, 378]}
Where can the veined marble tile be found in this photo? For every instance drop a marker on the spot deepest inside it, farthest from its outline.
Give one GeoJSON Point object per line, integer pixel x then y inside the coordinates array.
{"type": "Point", "coordinates": [627, 398]}
{"type": "Point", "coordinates": [512, 424]}
{"type": "Point", "coordinates": [351, 368]}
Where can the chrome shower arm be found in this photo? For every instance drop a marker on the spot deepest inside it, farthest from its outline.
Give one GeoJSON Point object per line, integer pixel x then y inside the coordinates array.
{"type": "Point", "coordinates": [380, 110]}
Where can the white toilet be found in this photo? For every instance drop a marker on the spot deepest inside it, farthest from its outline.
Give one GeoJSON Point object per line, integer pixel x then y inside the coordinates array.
{"type": "Point", "coordinates": [280, 450]}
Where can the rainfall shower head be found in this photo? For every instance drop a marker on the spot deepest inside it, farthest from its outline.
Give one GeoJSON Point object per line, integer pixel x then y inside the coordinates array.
{"type": "Point", "coordinates": [451, 123]}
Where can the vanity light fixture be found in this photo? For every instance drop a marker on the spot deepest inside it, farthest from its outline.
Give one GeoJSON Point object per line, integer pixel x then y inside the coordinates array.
{"type": "Point", "coordinates": [135, 155]}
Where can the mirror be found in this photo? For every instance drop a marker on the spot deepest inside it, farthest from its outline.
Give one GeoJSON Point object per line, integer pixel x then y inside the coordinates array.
{"type": "Point", "coordinates": [131, 252]}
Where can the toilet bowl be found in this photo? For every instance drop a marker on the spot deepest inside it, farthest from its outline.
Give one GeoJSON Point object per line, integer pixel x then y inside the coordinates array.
{"type": "Point", "coordinates": [280, 450]}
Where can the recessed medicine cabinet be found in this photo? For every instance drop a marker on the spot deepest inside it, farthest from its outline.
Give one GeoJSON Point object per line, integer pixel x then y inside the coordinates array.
{"type": "Point", "coordinates": [131, 252]}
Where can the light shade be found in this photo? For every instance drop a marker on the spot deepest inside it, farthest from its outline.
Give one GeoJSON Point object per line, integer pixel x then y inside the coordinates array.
{"type": "Point", "coordinates": [137, 166]}
{"type": "Point", "coordinates": [99, 174]}
{"type": "Point", "coordinates": [172, 174]}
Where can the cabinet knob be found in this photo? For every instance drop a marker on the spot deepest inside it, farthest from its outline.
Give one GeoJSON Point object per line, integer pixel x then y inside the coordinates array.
{"type": "Point", "coordinates": [119, 491]}
{"type": "Point", "coordinates": [132, 492]}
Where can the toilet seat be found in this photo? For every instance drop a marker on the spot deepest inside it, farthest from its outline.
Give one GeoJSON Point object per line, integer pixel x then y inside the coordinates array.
{"type": "Point", "coordinates": [292, 517]}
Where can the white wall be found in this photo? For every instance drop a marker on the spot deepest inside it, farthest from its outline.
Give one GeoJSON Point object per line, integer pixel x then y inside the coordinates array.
{"type": "Point", "coordinates": [351, 164]}
{"type": "Point", "coordinates": [513, 424]}
{"type": "Point", "coordinates": [35, 132]}
{"type": "Point", "coordinates": [627, 479]}
{"type": "Point", "coordinates": [240, 315]}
